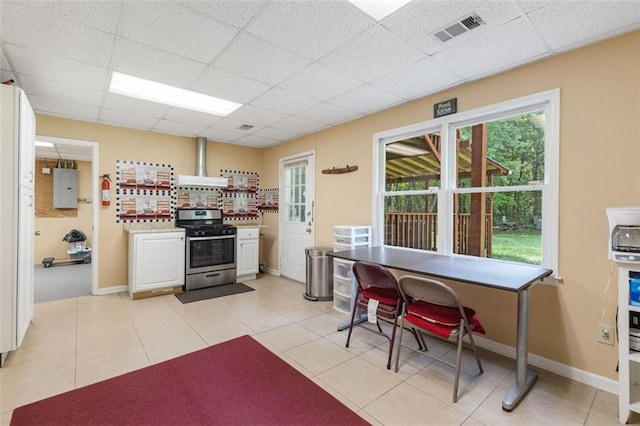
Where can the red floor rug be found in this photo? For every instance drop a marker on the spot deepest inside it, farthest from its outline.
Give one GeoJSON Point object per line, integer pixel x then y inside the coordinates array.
{"type": "Point", "coordinates": [238, 382]}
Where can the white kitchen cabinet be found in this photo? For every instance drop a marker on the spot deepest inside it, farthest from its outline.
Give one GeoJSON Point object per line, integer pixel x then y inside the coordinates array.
{"type": "Point", "coordinates": [156, 262]}
{"type": "Point", "coordinates": [17, 138]}
{"type": "Point", "coordinates": [247, 254]}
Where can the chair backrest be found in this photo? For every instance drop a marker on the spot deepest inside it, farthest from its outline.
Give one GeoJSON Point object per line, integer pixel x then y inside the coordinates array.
{"type": "Point", "coordinates": [373, 275]}
{"type": "Point", "coordinates": [420, 288]}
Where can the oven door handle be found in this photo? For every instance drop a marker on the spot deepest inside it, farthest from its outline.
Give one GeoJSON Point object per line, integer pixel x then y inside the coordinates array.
{"type": "Point", "coordinates": [222, 237]}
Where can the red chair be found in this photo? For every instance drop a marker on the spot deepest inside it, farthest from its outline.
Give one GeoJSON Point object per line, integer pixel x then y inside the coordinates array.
{"type": "Point", "coordinates": [433, 307]}
{"type": "Point", "coordinates": [376, 283]}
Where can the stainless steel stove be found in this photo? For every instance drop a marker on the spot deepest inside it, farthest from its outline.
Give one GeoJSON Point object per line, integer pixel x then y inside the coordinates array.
{"type": "Point", "coordinates": [210, 248]}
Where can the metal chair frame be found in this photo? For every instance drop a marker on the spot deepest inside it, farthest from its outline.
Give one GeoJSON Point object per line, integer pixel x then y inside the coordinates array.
{"type": "Point", "coordinates": [414, 288]}
{"type": "Point", "coordinates": [363, 272]}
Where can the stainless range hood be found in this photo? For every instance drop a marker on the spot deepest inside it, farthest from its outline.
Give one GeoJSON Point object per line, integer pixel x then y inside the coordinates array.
{"type": "Point", "coordinates": [200, 177]}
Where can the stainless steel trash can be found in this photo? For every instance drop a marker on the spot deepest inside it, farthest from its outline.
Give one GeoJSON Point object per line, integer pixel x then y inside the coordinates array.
{"type": "Point", "coordinates": [319, 274]}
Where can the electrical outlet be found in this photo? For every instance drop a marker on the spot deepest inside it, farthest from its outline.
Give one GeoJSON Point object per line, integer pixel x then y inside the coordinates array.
{"type": "Point", "coordinates": [605, 334]}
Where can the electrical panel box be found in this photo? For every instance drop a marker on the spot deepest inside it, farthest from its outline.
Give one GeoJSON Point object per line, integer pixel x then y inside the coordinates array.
{"type": "Point", "coordinates": [65, 188]}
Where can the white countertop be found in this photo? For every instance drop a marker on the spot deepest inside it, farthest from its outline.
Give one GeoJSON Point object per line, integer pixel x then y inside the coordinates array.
{"type": "Point", "coordinates": [248, 225]}
{"type": "Point", "coordinates": [150, 227]}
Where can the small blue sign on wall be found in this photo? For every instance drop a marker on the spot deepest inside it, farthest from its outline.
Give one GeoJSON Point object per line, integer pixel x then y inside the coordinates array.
{"type": "Point", "coordinates": [447, 107]}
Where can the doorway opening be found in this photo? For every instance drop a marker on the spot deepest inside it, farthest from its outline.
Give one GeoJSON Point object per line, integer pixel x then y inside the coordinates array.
{"type": "Point", "coordinates": [71, 274]}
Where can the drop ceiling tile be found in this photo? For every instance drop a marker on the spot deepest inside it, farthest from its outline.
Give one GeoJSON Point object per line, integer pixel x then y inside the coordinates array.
{"type": "Point", "coordinates": [531, 5]}
{"type": "Point", "coordinates": [176, 128]}
{"type": "Point", "coordinates": [418, 20]}
{"type": "Point", "coordinates": [7, 75]}
{"type": "Point", "coordinates": [319, 82]}
{"type": "Point", "coordinates": [299, 125]}
{"type": "Point", "coordinates": [49, 67]}
{"type": "Point", "coordinates": [283, 101]}
{"type": "Point", "coordinates": [259, 60]}
{"type": "Point", "coordinates": [253, 115]}
{"type": "Point", "coordinates": [48, 106]}
{"type": "Point", "coordinates": [419, 79]}
{"type": "Point", "coordinates": [223, 84]}
{"type": "Point", "coordinates": [60, 91]}
{"type": "Point", "coordinates": [218, 135]}
{"type": "Point", "coordinates": [32, 28]}
{"type": "Point", "coordinates": [564, 25]}
{"type": "Point", "coordinates": [309, 28]}
{"type": "Point", "coordinates": [255, 141]}
{"type": "Point", "coordinates": [280, 135]}
{"type": "Point", "coordinates": [176, 29]}
{"type": "Point", "coordinates": [134, 106]}
{"type": "Point", "coordinates": [153, 64]}
{"type": "Point", "coordinates": [506, 46]}
{"type": "Point", "coordinates": [366, 99]}
{"type": "Point", "coordinates": [234, 12]}
{"type": "Point", "coordinates": [4, 63]}
{"type": "Point", "coordinates": [235, 126]}
{"type": "Point", "coordinates": [127, 119]}
{"type": "Point", "coordinates": [372, 54]}
{"type": "Point", "coordinates": [191, 117]}
{"type": "Point", "coordinates": [328, 114]}
{"type": "Point", "coordinates": [102, 15]}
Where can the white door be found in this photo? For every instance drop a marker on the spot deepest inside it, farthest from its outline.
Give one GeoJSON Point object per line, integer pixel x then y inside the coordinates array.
{"type": "Point", "coordinates": [297, 195]}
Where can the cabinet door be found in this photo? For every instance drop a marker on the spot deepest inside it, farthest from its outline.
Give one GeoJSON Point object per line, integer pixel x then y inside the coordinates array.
{"type": "Point", "coordinates": [158, 260]}
{"type": "Point", "coordinates": [25, 264]}
{"type": "Point", "coordinates": [26, 142]}
{"type": "Point", "coordinates": [248, 257]}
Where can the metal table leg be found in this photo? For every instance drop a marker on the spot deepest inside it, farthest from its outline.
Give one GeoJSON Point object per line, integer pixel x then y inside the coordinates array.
{"type": "Point", "coordinates": [360, 318]}
{"type": "Point", "coordinates": [524, 377]}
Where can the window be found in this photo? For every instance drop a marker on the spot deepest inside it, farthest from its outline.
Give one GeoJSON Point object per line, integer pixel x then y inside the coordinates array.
{"type": "Point", "coordinates": [479, 183]}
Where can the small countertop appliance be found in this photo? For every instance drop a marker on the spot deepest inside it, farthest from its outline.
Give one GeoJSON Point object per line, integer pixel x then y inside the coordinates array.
{"type": "Point", "coordinates": [624, 234]}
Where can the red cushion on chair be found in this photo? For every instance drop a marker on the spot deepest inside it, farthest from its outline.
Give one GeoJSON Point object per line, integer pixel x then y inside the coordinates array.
{"type": "Point", "coordinates": [433, 327]}
{"type": "Point", "coordinates": [447, 316]}
{"type": "Point", "coordinates": [388, 296]}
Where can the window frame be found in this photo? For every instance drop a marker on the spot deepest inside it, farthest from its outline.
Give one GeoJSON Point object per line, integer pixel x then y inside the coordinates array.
{"type": "Point", "coordinates": [549, 101]}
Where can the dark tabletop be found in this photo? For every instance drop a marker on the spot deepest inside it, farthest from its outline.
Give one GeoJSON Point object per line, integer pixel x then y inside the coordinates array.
{"type": "Point", "coordinates": [475, 270]}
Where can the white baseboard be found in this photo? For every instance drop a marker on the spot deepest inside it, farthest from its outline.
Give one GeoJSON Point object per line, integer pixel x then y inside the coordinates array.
{"type": "Point", "coordinates": [114, 289]}
{"type": "Point", "coordinates": [272, 271]}
{"type": "Point", "coordinates": [590, 379]}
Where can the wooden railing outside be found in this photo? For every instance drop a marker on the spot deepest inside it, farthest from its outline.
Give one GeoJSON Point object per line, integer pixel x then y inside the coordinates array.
{"type": "Point", "coordinates": [420, 231]}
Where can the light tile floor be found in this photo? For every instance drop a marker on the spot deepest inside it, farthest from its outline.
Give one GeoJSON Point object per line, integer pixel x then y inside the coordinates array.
{"type": "Point", "coordinates": [75, 342]}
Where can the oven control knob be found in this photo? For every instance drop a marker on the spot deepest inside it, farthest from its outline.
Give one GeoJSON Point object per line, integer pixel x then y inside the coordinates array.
{"type": "Point", "coordinates": [632, 257]}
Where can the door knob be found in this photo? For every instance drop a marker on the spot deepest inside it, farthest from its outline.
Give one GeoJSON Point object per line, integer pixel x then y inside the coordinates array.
{"type": "Point", "coordinates": [37, 233]}
{"type": "Point", "coordinates": [308, 230]}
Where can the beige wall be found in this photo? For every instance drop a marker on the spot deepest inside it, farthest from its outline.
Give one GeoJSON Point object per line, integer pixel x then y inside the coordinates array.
{"type": "Point", "coordinates": [599, 154]}
{"type": "Point", "coordinates": [48, 243]}
{"type": "Point", "coordinates": [115, 143]}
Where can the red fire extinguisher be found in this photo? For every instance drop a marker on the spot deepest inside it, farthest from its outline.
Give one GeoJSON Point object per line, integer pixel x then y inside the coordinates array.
{"type": "Point", "coordinates": [106, 195]}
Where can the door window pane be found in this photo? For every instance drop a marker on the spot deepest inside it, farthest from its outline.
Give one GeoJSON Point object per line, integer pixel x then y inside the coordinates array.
{"type": "Point", "coordinates": [296, 203]}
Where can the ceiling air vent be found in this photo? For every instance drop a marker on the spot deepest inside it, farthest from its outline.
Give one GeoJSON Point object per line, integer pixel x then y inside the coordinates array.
{"type": "Point", "coordinates": [246, 127]}
{"type": "Point", "coordinates": [459, 27]}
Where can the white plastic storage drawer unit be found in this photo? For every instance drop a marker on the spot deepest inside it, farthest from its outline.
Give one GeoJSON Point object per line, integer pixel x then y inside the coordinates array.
{"type": "Point", "coordinates": [342, 303]}
{"type": "Point", "coordinates": [342, 268]}
{"type": "Point", "coordinates": [342, 286]}
{"type": "Point", "coordinates": [346, 237]}
{"type": "Point", "coordinates": [351, 230]}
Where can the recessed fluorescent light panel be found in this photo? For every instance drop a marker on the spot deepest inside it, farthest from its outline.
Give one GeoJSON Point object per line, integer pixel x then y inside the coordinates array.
{"type": "Point", "coordinates": [44, 144]}
{"type": "Point", "coordinates": [135, 87]}
{"type": "Point", "coordinates": [379, 9]}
